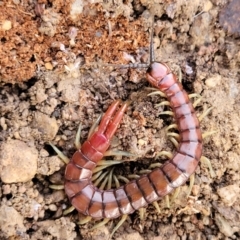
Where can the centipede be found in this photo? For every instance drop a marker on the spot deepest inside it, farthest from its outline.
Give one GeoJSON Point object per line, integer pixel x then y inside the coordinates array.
{"type": "Point", "coordinates": [81, 170]}
{"type": "Point", "coordinates": [92, 201]}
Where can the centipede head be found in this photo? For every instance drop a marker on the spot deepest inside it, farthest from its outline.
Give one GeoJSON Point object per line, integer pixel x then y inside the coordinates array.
{"type": "Point", "coordinates": [156, 72]}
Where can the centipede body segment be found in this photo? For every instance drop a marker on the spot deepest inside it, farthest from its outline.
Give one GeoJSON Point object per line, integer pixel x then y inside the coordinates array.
{"type": "Point", "coordinates": [89, 200]}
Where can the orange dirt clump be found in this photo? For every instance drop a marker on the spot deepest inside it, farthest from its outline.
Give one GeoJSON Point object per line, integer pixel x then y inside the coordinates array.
{"type": "Point", "coordinates": [39, 37]}
{"type": "Point", "coordinates": [18, 33]}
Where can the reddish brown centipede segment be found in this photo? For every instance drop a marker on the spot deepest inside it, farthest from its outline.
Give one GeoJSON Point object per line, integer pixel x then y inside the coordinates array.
{"type": "Point", "coordinates": [136, 194]}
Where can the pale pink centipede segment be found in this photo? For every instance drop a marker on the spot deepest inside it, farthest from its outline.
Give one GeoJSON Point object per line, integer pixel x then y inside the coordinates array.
{"type": "Point", "coordinates": [89, 200]}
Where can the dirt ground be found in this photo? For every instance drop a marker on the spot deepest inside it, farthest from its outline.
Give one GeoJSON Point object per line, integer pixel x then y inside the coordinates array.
{"type": "Point", "coordinates": [62, 63]}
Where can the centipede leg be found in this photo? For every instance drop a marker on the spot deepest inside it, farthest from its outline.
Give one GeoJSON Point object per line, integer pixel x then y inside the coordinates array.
{"type": "Point", "coordinates": [144, 171]}
{"type": "Point", "coordinates": [65, 159]}
{"type": "Point", "coordinates": [103, 166]}
{"type": "Point", "coordinates": [198, 98]}
{"type": "Point", "coordinates": [170, 113]}
{"type": "Point", "coordinates": [167, 201]}
{"type": "Point", "coordinates": [119, 153]}
{"type": "Point", "coordinates": [56, 187]}
{"type": "Point", "coordinates": [206, 161]}
{"type": "Point", "coordinates": [164, 103]}
{"type": "Point", "coordinates": [102, 186]}
{"type": "Point", "coordinates": [191, 180]}
{"type": "Point", "coordinates": [179, 74]}
{"type": "Point", "coordinates": [204, 114]}
{"type": "Point", "coordinates": [123, 219]}
{"type": "Point", "coordinates": [174, 138]}
{"type": "Point", "coordinates": [142, 213]}
{"type": "Point", "coordinates": [169, 155]}
{"type": "Point", "coordinates": [174, 135]}
{"type": "Point", "coordinates": [68, 210]}
{"type": "Point", "coordinates": [98, 180]}
{"type": "Point", "coordinates": [174, 142]}
{"type": "Point", "coordinates": [155, 204]}
{"type": "Point", "coordinates": [171, 126]}
{"type": "Point", "coordinates": [175, 195]}
{"type": "Point", "coordinates": [78, 137]}
{"type": "Point", "coordinates": [91, 131]}
{"type": "Point", "coordinates": [110, 179]}
{"type": "Point", "coordinates": [207, 134]}
{"type": "Point", "coordinates": [86, 219]}
{"type": "Point", "coordinates": [94, 126]}
{"type": "Point", "coordinates": [100, 224]}
{"type": "Point", "coordinates": [60, 154]}
{"type": "Point", "coordinates": [157, 93]}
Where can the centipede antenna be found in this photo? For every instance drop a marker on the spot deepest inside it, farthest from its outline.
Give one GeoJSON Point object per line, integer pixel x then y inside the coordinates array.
{"type": "Point", "coordinates": [125, 66]}
{"type": "Point", "coordinates": [151, 48]}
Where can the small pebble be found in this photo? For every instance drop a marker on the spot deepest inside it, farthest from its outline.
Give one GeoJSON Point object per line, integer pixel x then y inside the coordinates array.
{"type": "Point", "coordinates": [224, 226]}
{"type": "Point", "coordinates": [18, 161]}
{"type": "Point", "coordinates": [47, 126]}
{"type": "Point", "coordinates": [48, 66]}
{"type": "Point", "coordinates": [6, 25]}
{"type": "Point", "coordinates": [195, 190]}
{"type": "Point", "coordinates": [11, 222]}
{"type": "Point", "coordinates": [229, 194]}
{"type": "Point", "coordinates": [207, 5]}
{"type": "Point", "coordinates": [52, 207]}
{"type": "Point", "coordinates": [213, 81]}
{"type": "Point", "coordinates": [141, 142]}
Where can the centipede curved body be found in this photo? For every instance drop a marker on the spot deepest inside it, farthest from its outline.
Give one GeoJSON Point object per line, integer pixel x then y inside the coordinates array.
{"type": "Point", "coordinates": [89, 200]}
